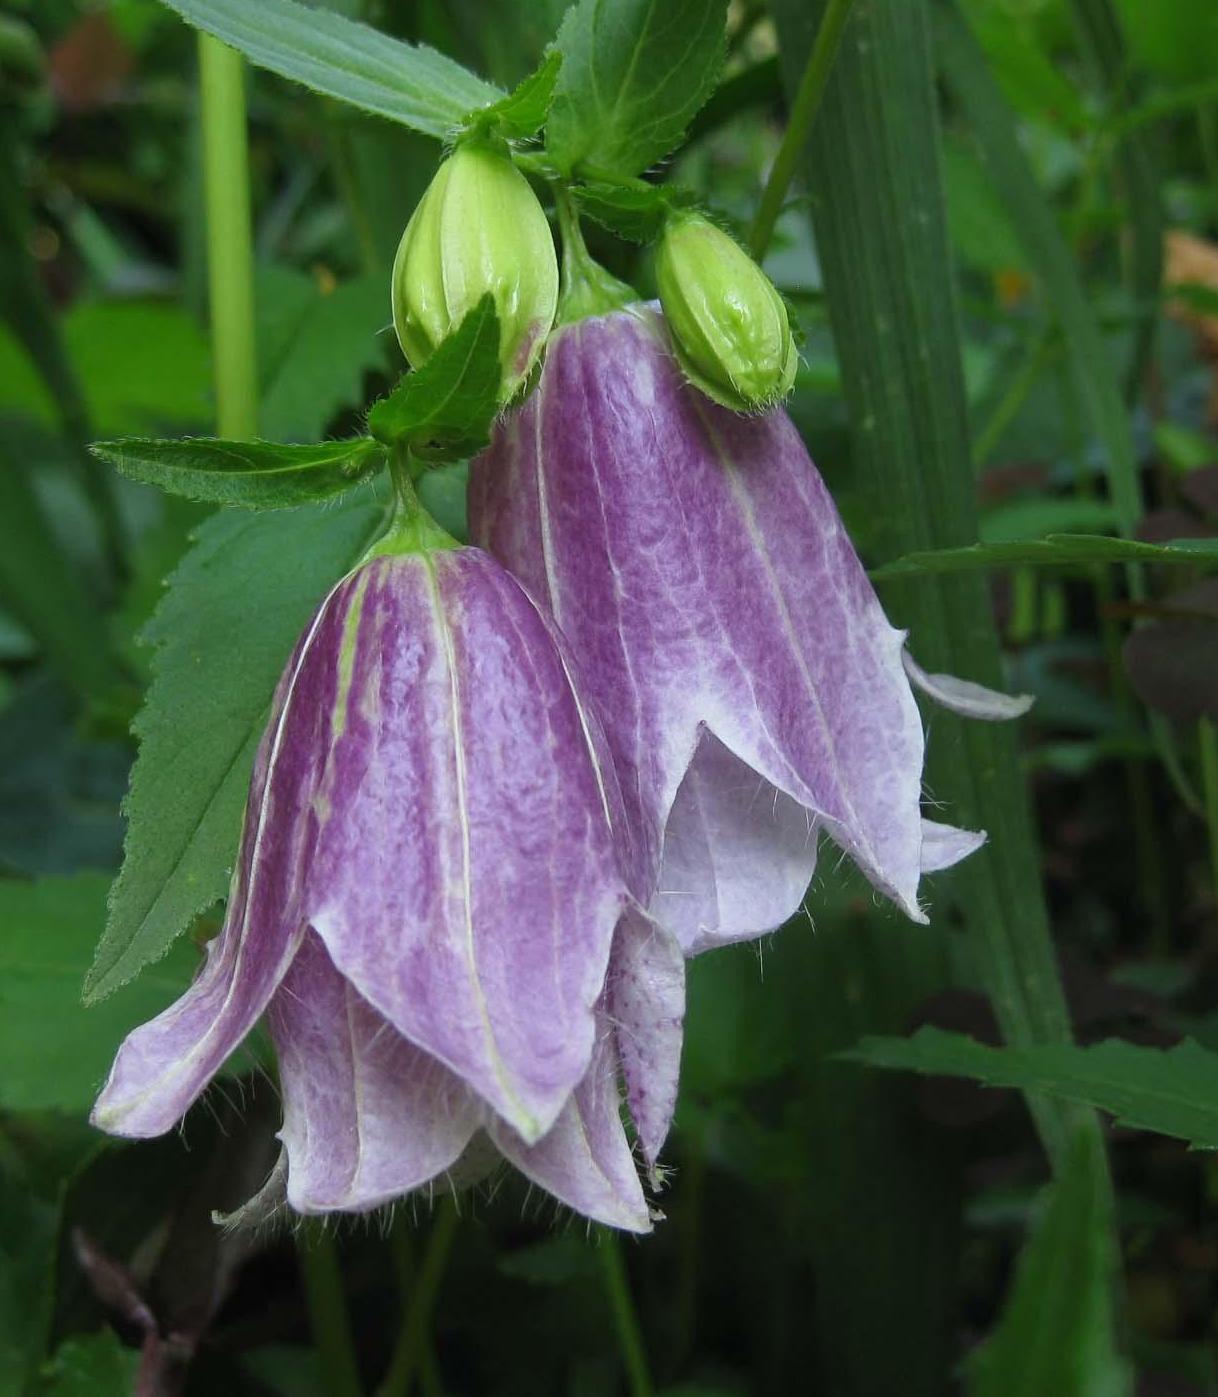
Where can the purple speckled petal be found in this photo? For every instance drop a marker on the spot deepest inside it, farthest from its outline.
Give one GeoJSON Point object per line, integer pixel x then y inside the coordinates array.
{"type": "Point", "coordinates": [367, 1116]}
{"type": "Point", "coordinates": [945, 845]}
{"type": "Point", "coordinates": [465, 877]}
{"type": "Point", "coordinates": [697, 566]}
{"type": "Point", "coordinates": [738, 854]}
{"type": "Point", "coordinates": [163, 1065]}
{"type": "Point", "coordinates": [645, 1001]}
{"type": "Point", "coordinates": [966, 698]}
{"type": "Point", "coordinates": [585, 1160]}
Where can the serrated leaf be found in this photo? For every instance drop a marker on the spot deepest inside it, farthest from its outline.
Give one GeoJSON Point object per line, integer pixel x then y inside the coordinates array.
{"type": "Point", "coordinates": [1172, 1091]}
{"type": "Point", "coordinates": [234, 608]}
{"type": "Point", "coordinates": [1057, 1332]}
{"type": "Point", "coordinates": [635, 73]}
{"type": "Point", "coordinates": [1055, 550]}
{"type": "Point", "coordinates": [635, 214]}
{"type": "Point", "coordinates": [448, 405]}
{"type": "Point", "coordinates": [56, 1051]}
{"type": "Point", "coordinates": [253, 474]}
{"type": "Point", "coordinates": [524, 110]}
{"type": "Point", "coordinates": [408, 83]}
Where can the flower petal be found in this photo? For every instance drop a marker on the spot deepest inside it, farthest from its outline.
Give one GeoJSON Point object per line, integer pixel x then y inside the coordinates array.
{"type": "Point", "coordinates": [585, 1159]}
{"type": "Point", "coordinates": [645, 1000]}
{"type": "Point", "coordinates": [696, 564]}
{"type": "Point", "coordinates": [163, 1065]}
{"type": "Point", "coordinates": [945, 845]}
{"type": "Point", "coordinates": [465, 879]}
{"type": "Point", "coordinates": [738, 854]}
{"type": "Point", "coordinates": [367, 1115]}
{"type": "Point", "coordinates": [966, 698]}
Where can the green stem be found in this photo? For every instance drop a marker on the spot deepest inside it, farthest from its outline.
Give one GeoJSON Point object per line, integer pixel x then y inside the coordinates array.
{"type": "Point", "coordinates": [630, 1338]}
{"type": "Point", "coordinates": [807, 100]}
{"type": "Point", "coordinates": [1207, 735]}
{"type": "Point", "coordinates": [421, 1302]}
{"type": "Point", "coordinates": [328, 1316]}
{"type": "Point", "coordinates": [587, 288]}
{"type": "Point", "coordinates": [1036, 357]}
{"type": "Point", "coordinates": [230, 257]}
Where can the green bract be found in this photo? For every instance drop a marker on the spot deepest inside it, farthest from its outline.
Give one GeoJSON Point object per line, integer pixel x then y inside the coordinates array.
{"type": "Point", "coordinates": [478, 229]}
{"type": "Point", "coordinates": [728, 322]}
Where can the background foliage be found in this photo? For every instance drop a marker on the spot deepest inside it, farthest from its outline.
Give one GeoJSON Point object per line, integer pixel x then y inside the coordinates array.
{"type": "Point", "coordinates": [1002, 250]}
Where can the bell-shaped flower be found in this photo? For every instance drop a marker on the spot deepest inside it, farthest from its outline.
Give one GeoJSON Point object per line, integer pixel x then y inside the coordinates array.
{"type": "Point", "coordinates": [752, 691]}
{"type": "Point", "coordinates": [431, 881]}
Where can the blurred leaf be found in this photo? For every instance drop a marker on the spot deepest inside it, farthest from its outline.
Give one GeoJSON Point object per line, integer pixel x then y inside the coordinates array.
{"type": "Point", "coordinates": [352, 62]}
{"type": "Point", "coordinates": [1049, 256]}
{"type": "Point", "coordinates": [552, 1261]}
{"type": "Point", "coordinates": [218, 657]}
{"type": "Point", "coordinates": [635, 73]}
{"type": "Point", "coordinates": [1030, 79]}
{"type": "Point", "coordinates": [56, 1052]}
{"type": "Point", "coordinates": [1056, 1333]}
{"type": "Point", "coordinates": [59, 793]}
{"type": "Point", "coordinates": [1178, 40]}
{"type": "Point", "coordinates": [29, 1227]}
{"type": "Point", "coordinates": [41, 587]}
{"type": "Point", "coordinates": [1172, 1091]}
{"type": "Point", "coordinates": [95, 1365]}
{"type": "Point", "coordinates": [141, 364]}
{"type": "Point", "coordinates": [1035, 515]}
{"type": "Point", "coordinates": [981, 227]}
{"type": "Point", "coordinates": [1054, 551]}
{"type": "Point", "coordinates": [452, 400]}
{"type": "Point", "coordinates": [254, 474]}
{"type": "Point", "coordinates": [524, 110]}
{"type": "Point", "coordinates": [1172, 662]}
{"type": "Point", "coordinates": [315, 347]}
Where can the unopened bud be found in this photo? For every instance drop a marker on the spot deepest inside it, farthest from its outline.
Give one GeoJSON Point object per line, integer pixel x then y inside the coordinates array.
{"type": "Point", "coordinates": [728, 323]}
{"type": "Point", "coordinates": [478, 228]}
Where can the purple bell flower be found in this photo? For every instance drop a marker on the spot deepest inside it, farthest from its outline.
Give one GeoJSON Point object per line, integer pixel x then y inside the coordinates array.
{"type": "Point", "coordinates": [433, 907]}
{"type": "Point", "coordinates": [752, 691]}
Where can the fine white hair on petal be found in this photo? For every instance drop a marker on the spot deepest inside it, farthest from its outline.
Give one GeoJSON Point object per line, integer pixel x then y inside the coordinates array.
{"type": "Point", "coordinates": [964, 697]}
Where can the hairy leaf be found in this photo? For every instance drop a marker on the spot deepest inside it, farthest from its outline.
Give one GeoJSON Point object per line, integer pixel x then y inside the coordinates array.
{"type": "Point", "coordinates": [409, 83]}
{"type": "Point", "coordinates": [223, 633]}
{"type": "Point", "coordinates": [255, 474]}
{"type": "Point", "coordinates": [1173, 1091]}
{"type": "Point", "coordinates": [635, 73]}
{"type": "Point", "coordinates": [524, 110]}
{"type": "Point", "coordinates": [635, 214]}
{"type": "Point", "coordinates": [449, 404]}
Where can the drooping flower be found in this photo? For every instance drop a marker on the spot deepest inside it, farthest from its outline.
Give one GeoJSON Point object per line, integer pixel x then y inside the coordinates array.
{"type": "Point", "coordinates": [431, 906]}
{"type": "Point", "coordinates": [753, 693]}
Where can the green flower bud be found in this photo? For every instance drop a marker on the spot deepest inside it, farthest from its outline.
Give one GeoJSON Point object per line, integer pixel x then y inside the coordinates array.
{"type": "Point", "coordinates": [728, 323]}
{"type": "Point", "coordinates": [478, 228]}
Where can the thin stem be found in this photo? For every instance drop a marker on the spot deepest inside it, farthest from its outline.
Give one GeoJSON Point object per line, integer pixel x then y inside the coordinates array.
{"type": "Point", "coordinates": [587, 288]}
{"type": "Point", "coordinates": [1036, 357]}
{"type": "Point", "coordinates": [803, 111]}
{"type": "Point", "coordinates": [408, 1353]}
{"type": "Point", "coordinates": [328, 1316]}
{"type": "Point", "coordinates": [1207, 735]}
{"type": "Point", "coordinates": [230, 257]}
{"type": "Point", "coordinates": [630, 1338]}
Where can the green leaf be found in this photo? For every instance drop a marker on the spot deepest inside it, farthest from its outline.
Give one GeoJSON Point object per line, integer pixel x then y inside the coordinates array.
{"type": "Point", "coordinates": [635, 73]}
{"type": "Point", "coordinates": [56, 1052]}
{"type": "Point", "coordinates": [881, 234]}
{"type": "Point", "coordinates": [1056, 1333]}
{"type": "Point", "coordinates": [314, 348]}
{"type": "Point", "coordinates": [636, 214]}
{"type": "Point", "coordinates": [524, 110]}
{"type": "Point", "coordinates": [254, 474]}
{"type": "Point", "coordinates": [91, 1365]}
{"type": "Point", "coordinates": [233, 611]}
{"type": "Point", "coordinates": [1172, 1091]}
{"type": "Point", "coordinates": [448, 405]}
{"type": "Point", "coordinates": [1055, 550]}
{"type": "Point", "coordinates": [409, 83]}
